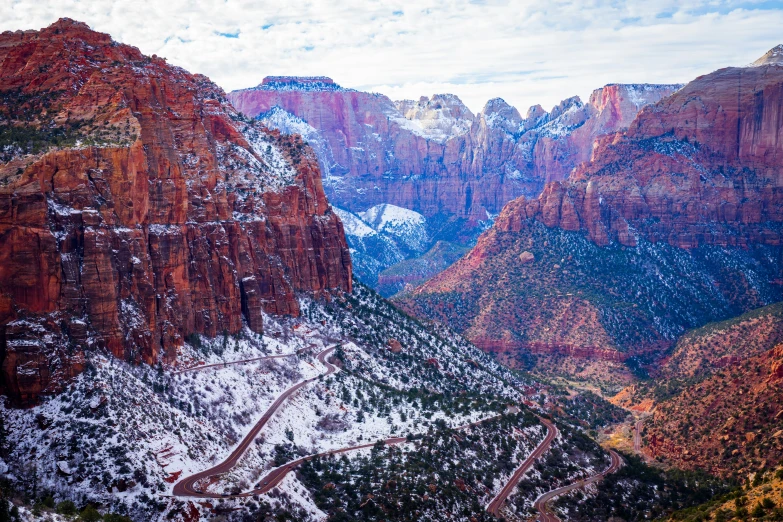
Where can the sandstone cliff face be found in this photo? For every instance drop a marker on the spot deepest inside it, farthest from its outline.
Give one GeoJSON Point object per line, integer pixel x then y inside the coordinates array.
{"type": "Point", "coordinates": [610, 109]}
{"type": "Point", "coordinates": [702, 167]}
{"type": "Point", "coordinates": [137, 207]}
{"type": "Point", "coordinates": [672, 224]}
{"type": "Point", "coordinates": [433, 155]}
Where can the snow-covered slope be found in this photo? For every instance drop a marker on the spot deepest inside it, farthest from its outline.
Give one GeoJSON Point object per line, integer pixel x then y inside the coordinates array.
{"type": "Point", "coordinates": [278, 119]}
{"type": "Point", "coordinates": [122, 435]}
{"type": "Point", "coordinates": [371, 251]}
{"type": "Point", "coordinates": [407, 226]}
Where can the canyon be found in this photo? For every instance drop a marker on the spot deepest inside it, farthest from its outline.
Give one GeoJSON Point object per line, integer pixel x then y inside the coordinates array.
{"type": "Point", "coordinates": [714, 403]}
{"type": "Point", "coordinates": [434, 156]}
{"type": "Point", "coordinates": [192, 320]}
{"type": "Point", "coordinates": [673, 223]}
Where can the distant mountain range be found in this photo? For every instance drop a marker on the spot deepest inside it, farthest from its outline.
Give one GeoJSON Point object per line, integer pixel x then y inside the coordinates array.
{"type": "Point", "coordinates": [433, 155]}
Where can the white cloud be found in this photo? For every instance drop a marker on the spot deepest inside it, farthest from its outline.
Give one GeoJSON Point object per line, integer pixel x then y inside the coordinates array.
{"type": "Point", "coordinates": [525, 52]}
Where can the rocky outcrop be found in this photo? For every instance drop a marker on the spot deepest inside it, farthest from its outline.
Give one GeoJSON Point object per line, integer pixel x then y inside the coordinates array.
{"type": "Point", "coordinates": [728, 424]}
{"type": "Point", "coordinates": [433, 155]}
{"type": "Point", "coordinates": [137, 207]}
{"type": "Point", "coordinates": [610, 109]}
{"type": "Point", "coordinates": [673, 223]}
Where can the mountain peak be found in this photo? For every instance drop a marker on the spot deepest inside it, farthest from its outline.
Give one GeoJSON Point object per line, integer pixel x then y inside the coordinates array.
{"type": "Point", "coordinates": [772, 57]}
{"type": "Point", "coordinates": [69, 22]}
{"type": "Point", "coordinates": [299, 83]}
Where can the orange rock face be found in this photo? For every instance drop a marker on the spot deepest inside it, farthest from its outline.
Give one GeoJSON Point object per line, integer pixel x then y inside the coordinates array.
{"type": "Point", "coordinates": [143, 209]}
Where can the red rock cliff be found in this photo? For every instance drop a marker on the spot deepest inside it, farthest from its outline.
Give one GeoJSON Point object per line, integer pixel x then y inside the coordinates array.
{"type": "Point", "coordinates": [702, 167]}
{"type": "Point", "coordinates": [673, 223]}
{"type": "Point", "coordinates": [137, 207]}
{"type": "Point", "coordinates": [433, 155]}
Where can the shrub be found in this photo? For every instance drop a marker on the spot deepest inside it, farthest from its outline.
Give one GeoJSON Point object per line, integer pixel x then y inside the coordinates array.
{"type": "Point", "coordinates": [66, 507]}
{"type": "Point", "coordinates": [89, 514]}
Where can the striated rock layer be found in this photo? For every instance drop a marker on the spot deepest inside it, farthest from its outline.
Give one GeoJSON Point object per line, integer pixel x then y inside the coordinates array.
{"type": "Point", "coordinates": [137, 207]}
{"type": "Point", "coordinates": [673, 223]}
{"type": "Point", "coordinates": [702, 167]}
{"type": "Point", "coordinates": [433, 155]}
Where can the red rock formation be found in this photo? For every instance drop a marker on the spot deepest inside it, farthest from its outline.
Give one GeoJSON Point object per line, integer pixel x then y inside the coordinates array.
{"type": "Point", "coordinates": [776, 365]}
{"type": "Point", "coordinates": [145, 209]}
{"type": "Point", "coordinates": [726, 421]}
{"type": "Point", "coordinates": [701, 168]}
{"type": "Point", "coordinates": [433, 155]}
{"type": "Point", "coordinates": [610, 109]}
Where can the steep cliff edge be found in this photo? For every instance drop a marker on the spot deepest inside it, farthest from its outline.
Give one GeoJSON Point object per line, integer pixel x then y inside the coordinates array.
{"type": "Point", "coordinates": [702, 167]}
{"type": "Point", "coordinates": [673, 223]}
{"type": "Point", "coordinates": [137, 207]}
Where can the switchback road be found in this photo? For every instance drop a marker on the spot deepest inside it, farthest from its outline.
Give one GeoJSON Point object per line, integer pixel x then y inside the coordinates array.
{"type": "Point", "coordinates": [497, 503]}
{"type": "Point", "coordinates": [278, 474]}
{"type": "Point", "coordinates": [187, 486]}
{"type": "Point", "coordinates": [545, 513]}
{"type": "Point", "coordinates": [241, 361]}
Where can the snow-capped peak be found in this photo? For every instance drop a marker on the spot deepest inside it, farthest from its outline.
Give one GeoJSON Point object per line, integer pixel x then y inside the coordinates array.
{"type": "Point", "coordinates": [498, 113]}
{"type": "Point", "coordinates": [772, 57]}
{"type": "Point", "coordinates": [439, 118]}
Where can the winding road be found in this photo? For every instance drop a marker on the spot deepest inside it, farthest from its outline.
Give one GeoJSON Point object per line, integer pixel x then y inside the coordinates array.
{"type": "Point", "coordinates": [275, 476]}
{"type": "Point", "coordinates": [187, 486]}
{"type": "Point", "coordinates": [278, 474]}
{"type": "Point", "coordinates": [499, 501]}
{"type": "Point", "coordinates": [542, 504]}
{"type": "Point", "coordinates": [241, 361]}
{"type": "Point", "coordinates": [637, 435]}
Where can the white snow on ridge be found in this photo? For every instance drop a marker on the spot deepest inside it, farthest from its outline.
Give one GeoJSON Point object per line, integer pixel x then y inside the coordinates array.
{"type": "Point", "coordinates": [772, 57]}
{"type": "Point", "coordinates": [352, 224]}
{"type": "Point", "coordinates": [385, 214]}
{"type": "Point", "coordinates": [640, 93]}
{"type": "Point", "coordinates": [407, 225]}
{"type": "Point", "coordinates": [287, 123]}
{"type": "Point", "coordinates": [439, 118]}
{"type": "Point", "coordinates": [279, 119]}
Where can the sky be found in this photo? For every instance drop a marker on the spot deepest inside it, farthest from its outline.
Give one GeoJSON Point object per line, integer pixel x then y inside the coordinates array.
{"type": "Point", "coordinates": [526, 52]}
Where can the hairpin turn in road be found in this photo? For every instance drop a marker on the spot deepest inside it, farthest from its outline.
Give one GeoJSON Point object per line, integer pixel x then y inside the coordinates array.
{"type": "Point", "coordinates": [187, 486]}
